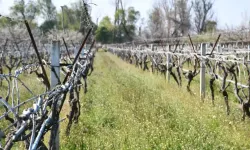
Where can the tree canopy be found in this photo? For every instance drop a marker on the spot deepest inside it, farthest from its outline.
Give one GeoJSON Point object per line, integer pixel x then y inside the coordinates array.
{"type": "Point", "coordinates": [123, 29]}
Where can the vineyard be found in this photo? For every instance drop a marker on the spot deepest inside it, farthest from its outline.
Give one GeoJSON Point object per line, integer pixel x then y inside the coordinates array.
{"type": "Point", "coordinates": [159, 71]}
{"type": "Point", "coordinates": [128, 108]}
{"type": "Point", "coordinates": [227, 63]}
{"type": "Point", "coordinates": [69, 83]}
{"type": "Point", "coordinates": [27, 115]}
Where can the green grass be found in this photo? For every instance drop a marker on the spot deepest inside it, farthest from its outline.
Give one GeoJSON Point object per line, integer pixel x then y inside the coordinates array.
{"type": "Point", "coordinates": [126, 108]}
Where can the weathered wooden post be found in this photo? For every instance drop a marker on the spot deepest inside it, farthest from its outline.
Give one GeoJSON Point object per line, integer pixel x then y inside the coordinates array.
{"type": "Point", "coordinates": [203, 72]}
{"type": "Point", "coordinates": [218, 48]}
{"type": "Point", "coordinates": [75, 51]}
{"type": "Point", "coordinates": [248, 48]}
{"type": "Point", "coordinates": [168, 66]}
{"type": "Point", "coordinates": [238, 66]}
{"type": "Point", "coordinates": [55, 63]}
{"type": "Point", "coordinates": [244, 72]}
{"type": "Point", "coordinates": [55, 80]}
{"type": "Point", "coordinates": [152, 47]}
{"type": "Point", "coordinates": [140, 47]}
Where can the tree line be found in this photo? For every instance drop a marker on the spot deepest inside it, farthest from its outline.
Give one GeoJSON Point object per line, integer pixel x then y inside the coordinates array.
{"type": "Point", "coordinates": [74, 17]}
{"type": "Point", "coordinates": [167, 18]}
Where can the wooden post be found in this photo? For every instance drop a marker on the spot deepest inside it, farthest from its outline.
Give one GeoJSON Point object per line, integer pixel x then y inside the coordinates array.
{"type": "Point", "coordinates": [244, 72]}
{"type": "Point", "coordinates": [248, 48]}
{"type": "Point", "coordinates": [218, 48]}
{"type": "Point", "coordinates": [239, 72]}
{"type": "Point", "coordinates": [168, 65]}
{"type": "Point", "coordinates": [203, 72]}
{"type": "Point", "coordinates": [55, 63]}
{"type": "Point", "coordinates": [152, 47]}
{"type": "Point", "coordinates": [140, 47]}
{"type": "Point", "coordinates": [219, 51]}
{"type": "Point", "coordinates": [63, 20]}
{"type": "Point", "coordinates": [55, 80]}
{"type": "Point", "coordinates": [75, 51]}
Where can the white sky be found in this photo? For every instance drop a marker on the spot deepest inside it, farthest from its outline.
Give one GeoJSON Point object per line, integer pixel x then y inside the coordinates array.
{"type": "Point", "coordinates": [227, 12]}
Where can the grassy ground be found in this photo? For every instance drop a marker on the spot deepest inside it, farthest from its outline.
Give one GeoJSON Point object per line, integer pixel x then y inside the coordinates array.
{"type": "Point", "coordinates": [126, 108]}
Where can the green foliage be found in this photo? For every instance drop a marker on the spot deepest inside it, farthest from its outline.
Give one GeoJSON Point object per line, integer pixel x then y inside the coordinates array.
{"type": "Point", "coordinates": [4, 22]}
{"type": "Point", "coordinates": [125, 25]}
{"type": "Point", "coordinates": [75, 18]}
{"type": "Point", "coordinates": [119, 16]}
{"type": "Point", "coordinates": [47, 25]}
{"type": "Point", "coordinates": [211, 26]}
{"type": "Point", "coordinates": [103, 33]}
{"type": "Point", "coordinates": [22, 10]}
{"type": "Point", "coordinates": [48, 10]}
{"type": "Point", "coordinates": [106, 22]}
{"type": "Point", "coordinates": [18, 10]}
{"type": "Point", "coordinates": [133, 16]}
{"type": "Point", "coordinates": [71, 22]}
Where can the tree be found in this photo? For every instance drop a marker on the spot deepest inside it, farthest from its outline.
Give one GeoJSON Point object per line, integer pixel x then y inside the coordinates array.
{"type": "Point", "coordinates": [106, 22]}
{"type": "Point", "coordinates": [132, 18]}
{"type": "Point", "coordinates": [124, 23]}
{"type": "Point", "coordinates": [68, 18]}
{"type": "Point", "coordinates": [156, 23]}
{"type": "Point", "coordinates": [203, 13]}
{"type": "Point", "coordinates": [47, 25]}
{"type": "Point", "coordinates": [182, 19]}
{"type": "Point", "coordinates": [48, 11]}
{"type": "Point", "coordinates": [177, 15]}
{"type": "Point", "coordinates": [103, 35]}
{"type": "Point", "coordinates": [167, 6]}
{"type": "Point", "coordinates": [104, 31]}
{"type": "Point", "coordinates": [76, 17]}
{"type": "Point", "coordinates": [4, 22]}
{"type": "Point", "coordinates": [22, 10]}
{"type": "Point", "coordinates": [211, 26]}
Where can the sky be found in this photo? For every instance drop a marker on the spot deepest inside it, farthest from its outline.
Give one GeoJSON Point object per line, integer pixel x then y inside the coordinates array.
{"type": "Point", "coordinates": [227, 12]}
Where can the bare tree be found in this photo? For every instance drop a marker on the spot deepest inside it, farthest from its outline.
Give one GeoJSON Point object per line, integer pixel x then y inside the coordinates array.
{"type": "Point", "coordinates": [203, 13]}
{"type": "Point", "coordinates": [156, 23]}
{"type": "Point", "coordinates": [177, 15]}
{"type": "Point", "coordinates": [167, 6]}
{"type": "Point", "coordinates": [182, 17]}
